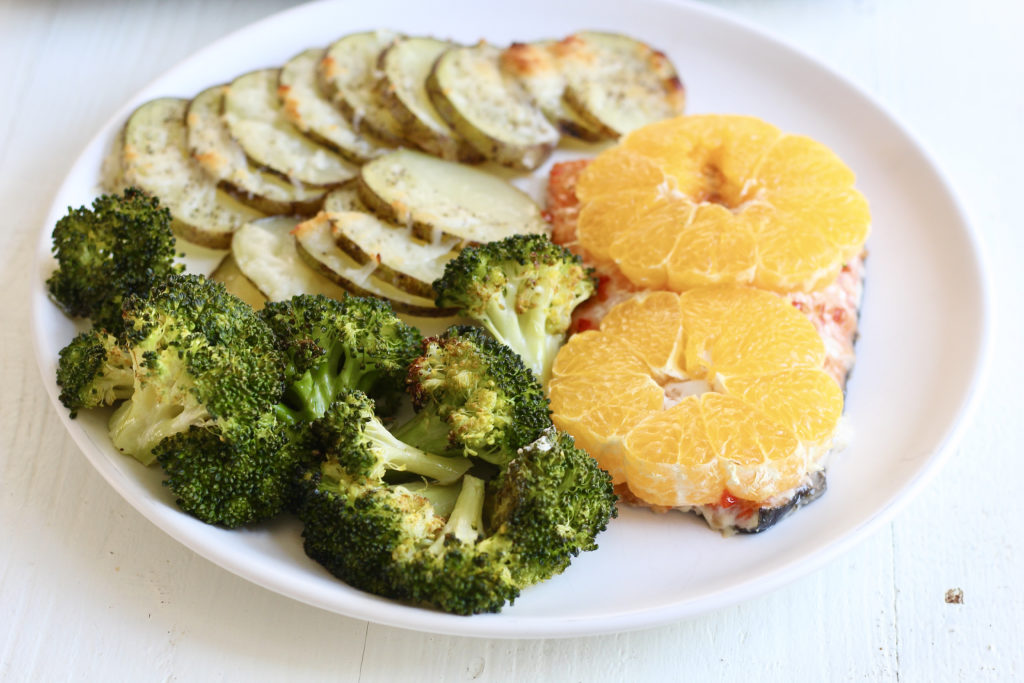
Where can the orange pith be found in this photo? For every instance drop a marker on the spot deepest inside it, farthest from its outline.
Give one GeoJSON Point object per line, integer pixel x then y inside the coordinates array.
{"type": "Point", "coordinates": [689, 396]}
{"type": "Point", "coordinates": [709, 199]}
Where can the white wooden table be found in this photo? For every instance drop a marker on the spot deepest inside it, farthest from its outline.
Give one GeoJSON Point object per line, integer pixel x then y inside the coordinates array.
{"type": "Point", "coordinates": [90, 590]}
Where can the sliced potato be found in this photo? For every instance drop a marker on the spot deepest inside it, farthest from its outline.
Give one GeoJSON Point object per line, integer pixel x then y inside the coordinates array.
{"type": "Point", "coordinates": [234, 280]}
{"type": "Point", "coordinates": [315, 243]}
{"type": "Point", "coordinates": [112, 169]}
{"type": "Point", "coordinates": [618, 84]}
{"type": "Point", "coordinates": [156, 159]}
{"type": "Point", "coordinates": [537, 67]}
{"type": "Point", "coordinates": [403, 260]}
{"type": "Point", "coordinates": [255, 118]}
{"type": "Point", "coordinates": [212, 146]}
{"type": "Point", "coordinates": [491, 111]}
{"type": "Point", "coordinates": [306, 107]}
{"type": "Point", "coordinates": [348, 76]}
{"type": "Point", "coordinates": [440, 198]}
{"type": "Point", "coordinates": [266, 254]}
{"type": "Point", "coordinates": [344, 199]}
{"type": "Point", "coordinates": [411, 263]}
{"type": "Point", "coordinates": [404, 68]}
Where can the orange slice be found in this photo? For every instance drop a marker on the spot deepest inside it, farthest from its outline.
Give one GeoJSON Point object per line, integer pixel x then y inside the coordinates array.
{"type": "Point", "coordinates": [686, 397]}
{"type": "Point", "coordinates": [710, 199]}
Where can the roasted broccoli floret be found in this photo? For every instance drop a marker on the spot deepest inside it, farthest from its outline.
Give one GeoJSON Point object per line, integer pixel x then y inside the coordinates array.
{"type": "Point", "coordinates": [374, 513]}
{"type": "Point", "coordinates": [202, 357]}
{"type": "Point", "coordinates": [523, 289]}
{"type": "Point", "coordinates": [94, 371]}
{"type": "Point", "coordinates": [410, 542]}
{"type": "Point", "coordinates": [199, 374]}
{"type": "Point", "coordinates": [550, 503]}
{"type": "Point", "coordinates": [233, 482]}
{"type": "Point", "coordinates": [357, 343]}
{"type": "Point", "coordinates": [120, 247]}
{"type": "Point", "coordinates": [415, 541]}
{"type": "Point", "coordinates": [473, 395]}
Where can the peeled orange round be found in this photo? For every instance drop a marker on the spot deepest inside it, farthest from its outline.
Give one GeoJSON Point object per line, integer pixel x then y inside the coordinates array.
{"type": "Point", "coordinates": [715, 199]}
{"type": "Point", "coordinates": [686, 397]}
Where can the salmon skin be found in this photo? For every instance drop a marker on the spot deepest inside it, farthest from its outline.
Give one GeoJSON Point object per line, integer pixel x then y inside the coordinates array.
{"type": "Point", "coordinates": [834, 311]}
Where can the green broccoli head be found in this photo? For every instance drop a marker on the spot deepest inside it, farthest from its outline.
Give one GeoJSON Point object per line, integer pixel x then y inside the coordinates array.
{"type": "Point", "coordinates": [473, 395]}
{"type": "Point", "coordinates": [550, 503]}
{"type": "Point", "coordinates": [377, 513]}
{"type": "Point", "coordinates": [120, 247]}
{"type": "Point", "coordinates": [93, 371]}
{"type": "Point", "coordinates": [523, 289]}
{"type": "Point", "coordinates": [202, 357]}
{"type": "Point", "coordinates": [474, 554]}
{"type": "Point", "coordinates": [357, 343]}
{"type": "Point", "coordinates": [391, 541]}
{"type": "Point", "coordinates": [232, 482]}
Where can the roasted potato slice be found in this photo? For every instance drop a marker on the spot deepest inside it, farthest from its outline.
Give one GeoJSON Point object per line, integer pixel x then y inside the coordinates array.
{"type": "Point", "coordinates": [265, 253]}
{"type": "Point", "coordinates": [315, 243]}
{"type": "Point", "coordinates": [234, 280]}
{"type": "Point", "coordinates": [618, 84]}
{"type": "Point", "coordinates": [404, 67]}
{"type": "Point", "coordinates": [306, 107]}
{"type": "Point", "coordinates": [537, 67]}
{"type": "Point", "coordinates": [488, 109]}
{"type": "Point", "coordinates": [112, 168]}
{"type": "Point", "coordinates": [255, 117]}
{"type": "Point", "coordinates": [440, 199]}
{"type": "Point", "coordinates": [344, 199]}
{"type": "Point", "coordinates": [348, 76]}
{"type": "Point", "coordinates": [155, 158]}
{"type": "Point", "coordinates": [212, 146]}
{"type": "Point", "coordinates": [403, 260]}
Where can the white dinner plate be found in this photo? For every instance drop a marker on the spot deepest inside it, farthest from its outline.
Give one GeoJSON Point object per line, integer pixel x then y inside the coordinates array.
{"type": "Point", "coordinates": [922, 348]}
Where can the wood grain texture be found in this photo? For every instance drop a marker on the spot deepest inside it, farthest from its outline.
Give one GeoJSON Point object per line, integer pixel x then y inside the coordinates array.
{"type": "Point", "coordinates": [90, 590]}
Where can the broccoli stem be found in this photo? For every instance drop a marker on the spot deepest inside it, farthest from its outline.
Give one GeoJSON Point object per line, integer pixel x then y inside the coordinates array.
{"type": "Point", "coordinates": [403, 457]}
{"type": "Point", "coordinates": [441, 497]}
{"type": "Point", "coordinates": [137, 426]}
{"type": "Point", "coordinates": [354, 375]}
{"type": "Point", "coordinates": [466, 522]}
{"type": "Point", "coordinates": [541, 346]}
{"type": "Point", "coordinates": [501, 320]}
{"type": "Point", "coordinates": [309, 397]}
{"type": "Point", "coordinates": [526, 332]}
{"type": "Point", "coordinates": [425, 430]}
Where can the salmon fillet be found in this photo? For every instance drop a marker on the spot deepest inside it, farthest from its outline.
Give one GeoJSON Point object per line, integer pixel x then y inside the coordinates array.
{"type": "Point", "coordinates": [834, 311]}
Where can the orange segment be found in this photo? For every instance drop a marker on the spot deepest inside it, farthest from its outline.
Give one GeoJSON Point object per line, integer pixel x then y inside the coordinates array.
{"type": "Point", "coordinates": [590, 352]}
{"type": "Point", "coordinates": [699, 200]}
{"type": "Point", "coordinates": [598, 410]}
{"type": "Point", "coordinates": [842, 217]}
{"type": "Point", "coordinates": [577, 396]}
{"type": "Point", "coordinates": [650, 324]}
{"type": "Point", "coordinates": [600, 220]}
{"type": "Point", "coordinates": [796, 256]}
{"type": "Point", "coordinates": [706, 254]}
{"type": "Point", "coordinates": [760, 458]}
{"type": "Point", "coordinates": [669, 461]}
{"type": "Point", "coordinates": [617, 170]}
{"type": "Point", "coordinates": [806, 400]}
{"type": "Point", "coordinates": [797, 163]}
{"type": "Point", "coordinates": [642, 252]}
{"type": "Point", "coordinates": [762, 333]}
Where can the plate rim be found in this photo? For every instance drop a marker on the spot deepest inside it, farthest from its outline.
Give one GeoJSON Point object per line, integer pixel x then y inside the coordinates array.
{"type": "Point", "coordinates": [386, 612]}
